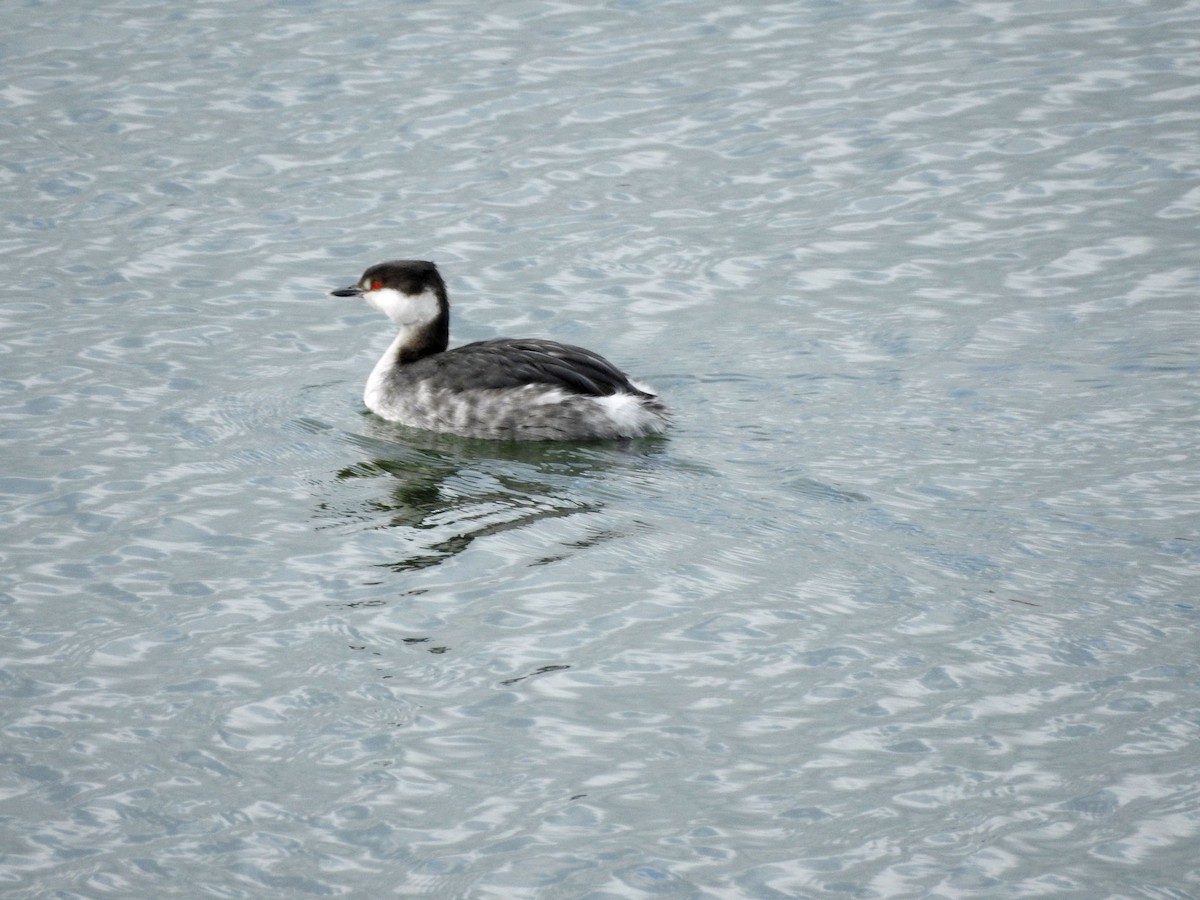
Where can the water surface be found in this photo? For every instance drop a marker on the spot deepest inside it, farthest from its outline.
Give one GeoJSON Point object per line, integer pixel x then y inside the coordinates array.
{"type": "Point", "coordinates": [903, 606]}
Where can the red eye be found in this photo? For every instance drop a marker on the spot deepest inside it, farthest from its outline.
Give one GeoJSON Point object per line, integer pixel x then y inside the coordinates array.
{"type": "Point", "coordinates": [376, 285]}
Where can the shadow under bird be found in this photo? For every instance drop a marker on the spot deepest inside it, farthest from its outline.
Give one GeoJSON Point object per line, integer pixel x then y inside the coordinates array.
{"type": "Point", "coordinates": [507, 389]}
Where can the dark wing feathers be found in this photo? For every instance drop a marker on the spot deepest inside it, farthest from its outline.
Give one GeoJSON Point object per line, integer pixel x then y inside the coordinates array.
{"type": "Point", "coordinates": [510, 363]}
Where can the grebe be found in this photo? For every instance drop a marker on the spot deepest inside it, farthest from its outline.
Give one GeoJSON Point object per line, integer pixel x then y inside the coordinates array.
{"type": "Point", "coordinates": [508, 389]}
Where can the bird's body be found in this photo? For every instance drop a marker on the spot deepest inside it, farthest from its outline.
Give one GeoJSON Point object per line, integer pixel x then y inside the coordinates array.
{"type": "Point", "coordinates": [508, 389]}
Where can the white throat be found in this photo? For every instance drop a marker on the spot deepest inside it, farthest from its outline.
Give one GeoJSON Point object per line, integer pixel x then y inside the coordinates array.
{"type": "Point", "coordinates": [377, 381]}
{"type": "Point", "coordinates": [410, 313]}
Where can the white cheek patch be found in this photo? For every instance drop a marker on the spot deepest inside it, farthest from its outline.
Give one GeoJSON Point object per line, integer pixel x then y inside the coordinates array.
{"type": "Point", "coordinates": [404, 309]}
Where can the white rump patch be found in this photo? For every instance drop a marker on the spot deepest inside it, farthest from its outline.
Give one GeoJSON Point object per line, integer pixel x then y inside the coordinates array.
{"type": "Point", "coordinates": [628, 415]}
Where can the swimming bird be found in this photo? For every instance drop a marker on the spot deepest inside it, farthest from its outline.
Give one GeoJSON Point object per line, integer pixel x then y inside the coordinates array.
{"type": "Point", "coordinates": [507, 389]}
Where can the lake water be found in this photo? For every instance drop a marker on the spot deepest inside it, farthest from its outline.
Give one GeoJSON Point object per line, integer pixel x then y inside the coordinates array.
{"type": "Point", "coordinates": [906, 603]}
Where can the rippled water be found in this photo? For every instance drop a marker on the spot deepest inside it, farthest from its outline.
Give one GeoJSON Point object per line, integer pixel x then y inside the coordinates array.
{"type": "Point", "coordinates": [904, 606]}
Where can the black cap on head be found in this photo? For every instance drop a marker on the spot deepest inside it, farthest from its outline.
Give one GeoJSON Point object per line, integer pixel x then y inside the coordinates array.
{"type": "Point", "coordinates": [408, 276]}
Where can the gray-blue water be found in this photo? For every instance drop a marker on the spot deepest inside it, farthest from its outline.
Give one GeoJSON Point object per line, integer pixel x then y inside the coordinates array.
{"type": "Point", "coordinates": [905, 605]}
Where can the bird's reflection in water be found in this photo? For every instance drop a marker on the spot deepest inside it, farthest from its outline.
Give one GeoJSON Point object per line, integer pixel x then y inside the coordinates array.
{"type": "Point", "coordinates": [447, 491]}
